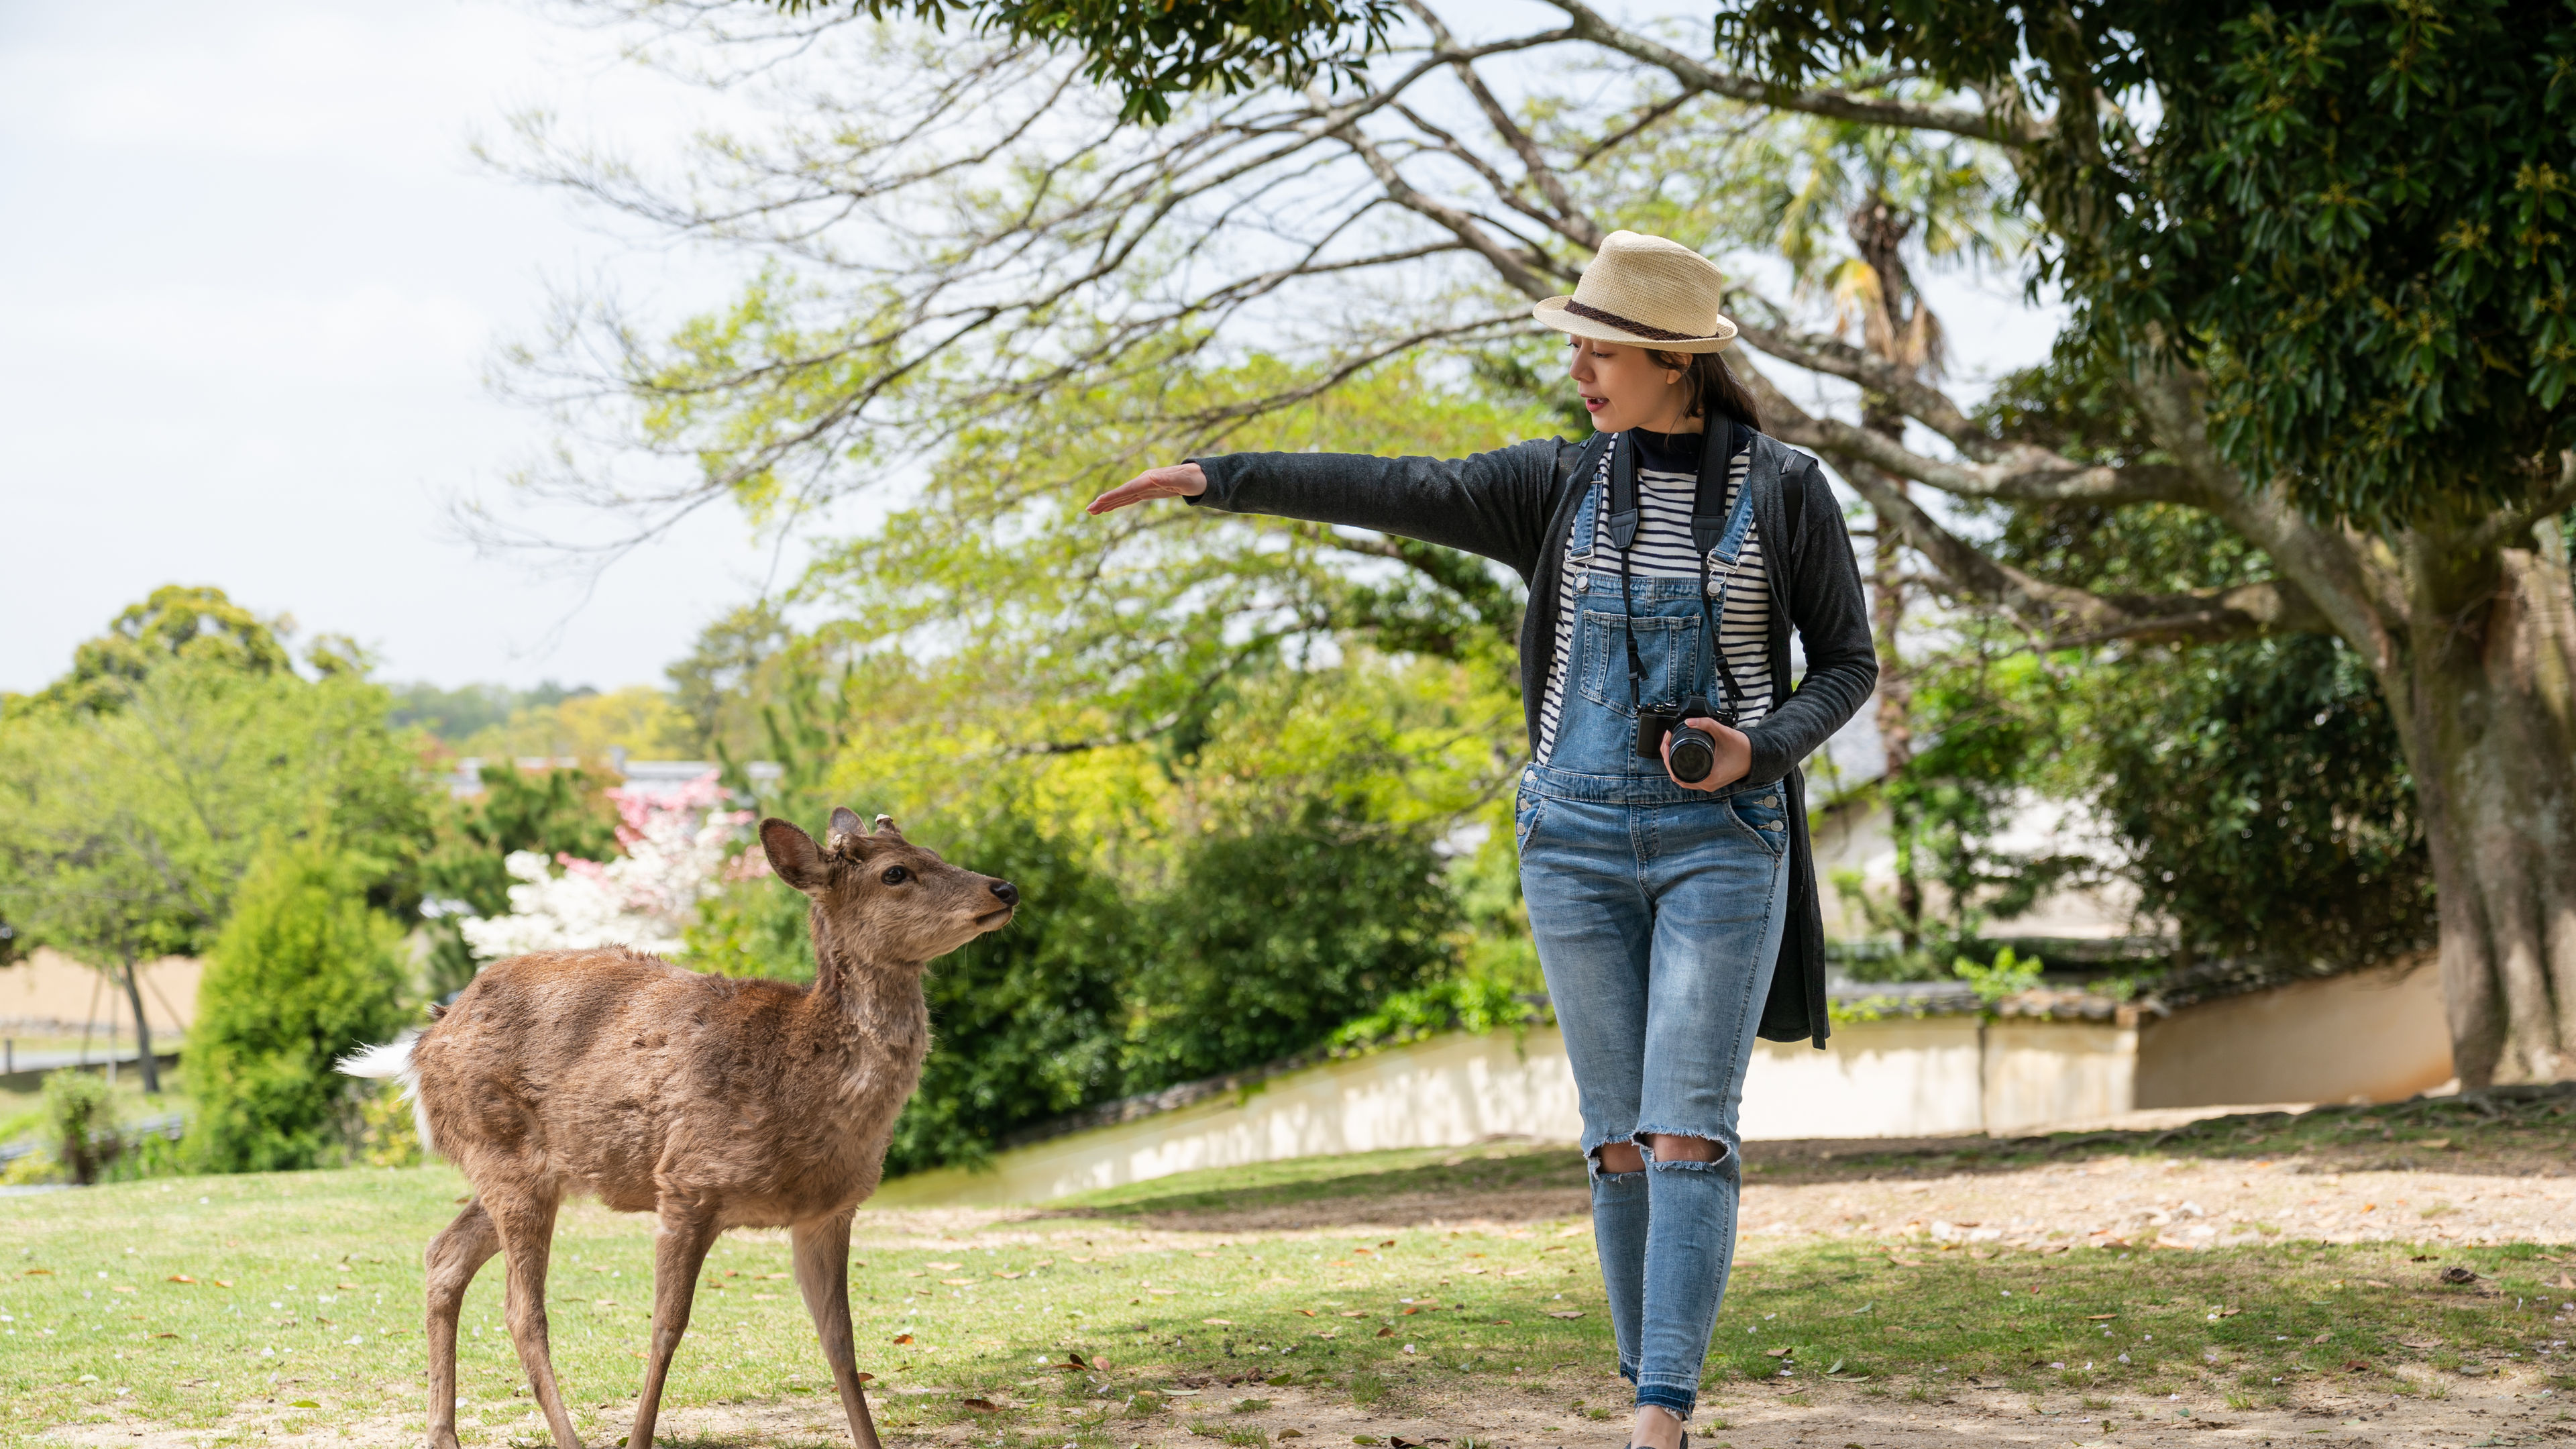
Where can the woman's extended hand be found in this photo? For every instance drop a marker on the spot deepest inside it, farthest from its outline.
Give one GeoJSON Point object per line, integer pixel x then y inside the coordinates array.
{"type": "Point", "coordinates": [1180, 480]}
{"type": "Point", "coordinates": [1734, 755]}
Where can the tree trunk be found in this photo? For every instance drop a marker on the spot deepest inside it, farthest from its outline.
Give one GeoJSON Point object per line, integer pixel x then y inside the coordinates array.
{"type": "Point", "coordinates": [142, 1031]}
{"type": "Point", "coordinates": [2483, 702]}
{"type": "Point", "coordinates": [1895, 726]}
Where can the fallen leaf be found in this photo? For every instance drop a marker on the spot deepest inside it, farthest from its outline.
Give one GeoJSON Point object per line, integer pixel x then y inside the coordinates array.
{"type": "Point", "coordinates": [958, 1282]}
{"type": "Point", "coordinates": [1354, 1313]}
{"type": "Point", "coordinates": [183, 1278]}
{"type": "Point", "coordinates": [1386, 1333]}
{"type": "Point", "coordinates": [1514, 1272]}
{"type": "Point", "coordinates": [998, 1273]}
{"type": "Point", "coordinates": [165, 1335]}
{"type": "Point", "coordinates": [1292, 1433]}
{"type": "Point", "coordinates": [1389, 1243]}
{"type": "Point", "coordinates": [944, 1267]}
{"type": "Point", "coordinates": [2098, 1317]}
{"type": "Point", "coordinates": [1565, 1313]}
{"type": "Point", "coordinates": [1408, 1313]}
{"type": "Point", "coordinates": [1903, 1262]}
{"type": "Point", "coordinates": [2356, 1366]}
{"type": "Point", "coordinates": [2458, 1274]}
{"type": "Point", "coordinates": [1363, 1251]}
{"type": "Point", "coordinates": [1500, 1323]}
{"type": "Point", "coordinates": [1219, 1322]}
{"type": "Point", "coordinates": [1328, 1333]}
{"type": "Point", "coordinates": [2375, 1283]}
{"type": "Point", "coordinates": [903, 1338]}
{"type": "Point", "coordinates": [1309, 1312]}
{"type": "Point", "coordinates": [2564, 1280]}
{"type": "Point", "coordinates": [121, 1288]}
{"type": "Point", "coordinates": [344, 1288]}
{"type": "Point", "coordinates": [1775, 1353]}
{"type": "Point", "coordinates": [469, 1197]}
{"type": "Point", "coordinates": [1366, 1439]}
{"type": "Point", "coordinates": [986, 1406]}
{"type": "Point", "coordinates": [2435, 1142]}
{"type": "Point", "coordinates": [305, 1404]}
{"type": "Point", "coordinates": [773, 1275]}
{"type": "Point", "coordinates": [2232, 1312]}
{"type": "Point", "coordinates": [866, 1377]}
{"type": "Point", "coordinates": [46, 1272]}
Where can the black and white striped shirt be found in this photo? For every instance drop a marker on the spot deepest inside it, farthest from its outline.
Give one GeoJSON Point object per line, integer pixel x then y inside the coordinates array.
{"type": "Point", "coordinates": [1667, 491]}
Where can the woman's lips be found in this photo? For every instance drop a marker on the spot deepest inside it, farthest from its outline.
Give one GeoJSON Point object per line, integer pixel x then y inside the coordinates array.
{"type": "Point", "coordinates": [1596, 404]}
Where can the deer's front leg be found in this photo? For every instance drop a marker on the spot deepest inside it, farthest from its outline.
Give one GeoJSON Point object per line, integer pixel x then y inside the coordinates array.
{"type": "Point", "coordinates": [823, 1275]}
{"type": "Point", "coordinates": [679, 1252]}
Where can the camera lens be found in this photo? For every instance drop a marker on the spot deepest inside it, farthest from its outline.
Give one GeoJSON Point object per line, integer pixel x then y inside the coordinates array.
{"type": "Point", "coordinates": [1694, 755]}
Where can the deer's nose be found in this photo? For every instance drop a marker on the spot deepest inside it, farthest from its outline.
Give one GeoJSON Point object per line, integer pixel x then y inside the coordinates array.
{"type": "Point", "coordinates": [1009, 893]}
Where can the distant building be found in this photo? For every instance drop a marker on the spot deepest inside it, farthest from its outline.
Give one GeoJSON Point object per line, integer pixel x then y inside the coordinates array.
{"type": "Point", "coordinates": [466, 781]}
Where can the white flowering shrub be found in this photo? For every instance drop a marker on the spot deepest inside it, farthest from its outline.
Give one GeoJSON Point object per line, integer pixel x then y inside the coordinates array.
{"type": "Point", "coordinates": [679, 846]}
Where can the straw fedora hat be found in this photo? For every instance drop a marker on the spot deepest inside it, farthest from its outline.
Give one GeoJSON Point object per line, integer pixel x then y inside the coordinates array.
{"type": "Point", "coordinates": [1646, 292]}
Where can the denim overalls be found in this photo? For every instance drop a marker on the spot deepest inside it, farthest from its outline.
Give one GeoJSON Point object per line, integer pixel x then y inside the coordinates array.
{"type": "Point", "coordinates": [1657, 912]}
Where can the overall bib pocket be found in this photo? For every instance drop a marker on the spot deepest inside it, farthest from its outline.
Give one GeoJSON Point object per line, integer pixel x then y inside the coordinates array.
{"type": "Point", "coordinates": [1668, 647]}
{"type": "Point", "coordinates": [1761, 814]}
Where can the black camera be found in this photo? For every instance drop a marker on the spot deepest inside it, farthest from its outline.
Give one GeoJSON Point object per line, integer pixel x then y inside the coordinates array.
{"type": "Point", "coordinates": [1694, 750]}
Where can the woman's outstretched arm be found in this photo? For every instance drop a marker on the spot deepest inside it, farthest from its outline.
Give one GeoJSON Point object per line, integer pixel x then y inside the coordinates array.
{"type": "Point", "coordinates": [1495, 504]}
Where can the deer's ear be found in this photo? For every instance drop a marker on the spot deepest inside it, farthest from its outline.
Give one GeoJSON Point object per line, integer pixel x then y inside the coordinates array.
{"type": "Point", "coordinates": [845, 836]}
{"type": "Point", "coordinates": [793, 854]}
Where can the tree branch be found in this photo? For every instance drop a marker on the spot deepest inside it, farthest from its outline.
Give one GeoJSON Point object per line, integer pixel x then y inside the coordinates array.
{"type": "Point", "coordinates": [1832, 104]}
{"type": "Point", "coordinates": [2057, 615]}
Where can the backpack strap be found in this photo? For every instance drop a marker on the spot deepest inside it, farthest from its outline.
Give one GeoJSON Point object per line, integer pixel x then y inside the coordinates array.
{"type": "Point", "coordinates": [1793, 498]}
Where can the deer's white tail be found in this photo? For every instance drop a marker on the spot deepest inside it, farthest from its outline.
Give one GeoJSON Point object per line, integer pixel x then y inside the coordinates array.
{"type": "Point", "coordinates": [391, 1062]}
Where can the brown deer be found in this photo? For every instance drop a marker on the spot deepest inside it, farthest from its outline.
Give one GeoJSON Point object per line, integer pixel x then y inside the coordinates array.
{"type": "Point", "coordinates": [712, 1102]}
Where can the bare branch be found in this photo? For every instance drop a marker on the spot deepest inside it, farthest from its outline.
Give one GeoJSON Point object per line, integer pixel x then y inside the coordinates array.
{"type": "Point", "coordinates": [2057, 615]}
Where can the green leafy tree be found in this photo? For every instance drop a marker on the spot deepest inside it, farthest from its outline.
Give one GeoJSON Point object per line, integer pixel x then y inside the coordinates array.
{"type": "Point", "coordinates": [178, 622]}
{"type": "Point", "coordinates": [1278, 934]}
{"type": "Point", "coordinates": [132, 798]}
{"type": "Point", "coordinates": [304, 971]}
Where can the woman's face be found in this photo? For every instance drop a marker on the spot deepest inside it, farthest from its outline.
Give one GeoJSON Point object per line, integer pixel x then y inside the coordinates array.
{"type": "Point", "coordinates": [1622, 387]}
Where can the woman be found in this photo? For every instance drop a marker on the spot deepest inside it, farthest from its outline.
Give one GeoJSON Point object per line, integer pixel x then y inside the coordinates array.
{"type": "Point", "coordinates": [1667, 559]}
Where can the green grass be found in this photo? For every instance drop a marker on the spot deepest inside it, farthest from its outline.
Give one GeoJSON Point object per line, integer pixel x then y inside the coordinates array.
{"type": "Point", "coordinates": [990, 1308]}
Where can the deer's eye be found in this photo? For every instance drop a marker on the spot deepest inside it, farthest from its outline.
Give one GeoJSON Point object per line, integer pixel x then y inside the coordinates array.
{"type": "Point", "coordinates": [895, 875]}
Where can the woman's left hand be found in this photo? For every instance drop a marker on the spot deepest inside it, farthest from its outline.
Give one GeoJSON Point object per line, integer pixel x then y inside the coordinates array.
{"type": "Point", "coordinates": [1734, 755]}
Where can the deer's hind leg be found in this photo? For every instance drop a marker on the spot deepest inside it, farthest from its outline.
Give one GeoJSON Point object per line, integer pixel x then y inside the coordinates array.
{"type": "Point", "coordinates": [526, 1223]}
{"type": "Point", "coordinates": [822, 1252]}
{"type": "Point", "coordinates": [679, 1252]}
{"type": "Point", "coordinates": [454, 1257]}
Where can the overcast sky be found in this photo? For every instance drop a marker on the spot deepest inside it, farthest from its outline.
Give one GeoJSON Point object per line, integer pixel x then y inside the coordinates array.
{"type": "Point", "coordinates": [250, 288]}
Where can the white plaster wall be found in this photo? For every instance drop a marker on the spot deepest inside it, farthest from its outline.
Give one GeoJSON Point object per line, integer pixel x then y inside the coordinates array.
{"type": "Point", "coordinates": [1877, 1079]}
{"type": "Point", "coordinates": [2037, 1072]}
{"type": "Point", "coordinates": [1899, 1078]}
{"type": "Point", "coordinates": [2373, 1036]}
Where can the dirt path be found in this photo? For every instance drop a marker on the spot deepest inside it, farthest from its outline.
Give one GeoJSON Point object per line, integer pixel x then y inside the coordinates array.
{"type": "Point", "coordinates": [1537, 1416]}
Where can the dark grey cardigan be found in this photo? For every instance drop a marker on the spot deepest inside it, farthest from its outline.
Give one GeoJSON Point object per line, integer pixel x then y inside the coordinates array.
{"type": "Point", "coordinates": [1516, 505]}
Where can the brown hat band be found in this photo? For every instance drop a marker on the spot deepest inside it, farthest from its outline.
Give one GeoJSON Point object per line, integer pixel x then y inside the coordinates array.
{"type": "Point", "coordinates": [1595, 314]}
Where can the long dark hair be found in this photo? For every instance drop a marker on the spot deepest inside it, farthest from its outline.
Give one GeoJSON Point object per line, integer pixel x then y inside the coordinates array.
{"type": "Point", "coordinates": [1715, 390]}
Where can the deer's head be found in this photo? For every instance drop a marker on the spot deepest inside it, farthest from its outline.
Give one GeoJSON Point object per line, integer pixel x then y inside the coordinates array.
{"type": "Point", "coordinates": [883, 896]}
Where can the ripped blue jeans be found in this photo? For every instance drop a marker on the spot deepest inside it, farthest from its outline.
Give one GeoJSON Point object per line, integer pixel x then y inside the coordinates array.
{"type": "Point", "coordinates": [1657, 913]}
